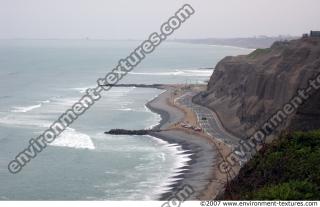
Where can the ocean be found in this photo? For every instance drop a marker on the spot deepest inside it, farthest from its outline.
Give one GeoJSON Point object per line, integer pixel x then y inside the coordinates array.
{"type": "Point", "coordinates": [40, 79]}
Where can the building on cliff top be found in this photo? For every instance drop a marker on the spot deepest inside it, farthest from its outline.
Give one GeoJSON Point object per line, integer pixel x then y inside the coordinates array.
{"type": "Point", "coordinates": [315, 34]}
{"type": "Point", "coordinates": [312, 34]}
{"type": "Point", "coordinates": [305, 35]}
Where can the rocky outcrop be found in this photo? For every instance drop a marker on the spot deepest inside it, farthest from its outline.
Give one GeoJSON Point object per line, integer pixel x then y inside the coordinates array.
{"type": "Point", "coordinates": [159, 86]}
{"type": "Point", "coordinates": [246, 90]}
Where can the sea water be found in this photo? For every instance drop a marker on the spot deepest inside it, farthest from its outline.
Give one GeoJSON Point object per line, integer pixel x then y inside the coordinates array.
{"type": "Point", "coordinates": [40, 79]}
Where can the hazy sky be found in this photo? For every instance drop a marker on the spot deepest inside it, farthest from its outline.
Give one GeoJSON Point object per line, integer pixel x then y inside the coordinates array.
{"type": "Point", "coordinates": [136, 19]}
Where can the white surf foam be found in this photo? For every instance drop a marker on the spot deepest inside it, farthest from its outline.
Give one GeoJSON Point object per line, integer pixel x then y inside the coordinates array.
{"type": "Point", "coordinates": [120, 91]}
{"type": "Point", "coordinates": [124, 109]}
{"type": "Point", "coordinates": [23, 109]}
{"type": "Point", "coordinates": [184, 72]}
{"type": "Point", "coordinates": [181, 160]}
{"type": "Point", "coordinates": [157, 117]}
{"type": "Point", "coordinates": [176, 72]}
{"type": "Point", "coordinates": [155, 120]}
{"type": "Point", "coordinates": [73, 139]}
{"type": "Point", "coordinates": [46, 101]}
{"type": "Point", "coordinates": [24, 120]}
{"type": "Point", "coordinates": [81, 89]}
{"type": "Point", "coordinates": [69, 138]}
{"type": "Point", "coordinates": [66, 101]}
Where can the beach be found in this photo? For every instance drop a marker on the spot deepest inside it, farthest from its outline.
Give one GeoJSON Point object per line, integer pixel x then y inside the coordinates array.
{"type": "Point", "coordinates": [201, 172]}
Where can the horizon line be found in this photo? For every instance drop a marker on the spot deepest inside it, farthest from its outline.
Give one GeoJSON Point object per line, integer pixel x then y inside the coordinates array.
{"type": "Point", "coordinates": [138, 39]}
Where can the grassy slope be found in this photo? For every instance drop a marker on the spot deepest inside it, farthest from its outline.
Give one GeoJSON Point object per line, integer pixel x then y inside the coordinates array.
{"type": "Point", "coordinates": [287, 169]}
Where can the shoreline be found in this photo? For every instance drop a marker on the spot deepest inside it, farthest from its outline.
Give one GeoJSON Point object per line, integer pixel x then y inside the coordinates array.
{"type": "Point", "coordinates": [164, 115]}
{"type": "Point", "coordinates": [200, 171]}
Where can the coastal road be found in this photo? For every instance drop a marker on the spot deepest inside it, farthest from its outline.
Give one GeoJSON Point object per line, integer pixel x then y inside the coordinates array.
{"type": "Point", "coordinates": [208, 120]}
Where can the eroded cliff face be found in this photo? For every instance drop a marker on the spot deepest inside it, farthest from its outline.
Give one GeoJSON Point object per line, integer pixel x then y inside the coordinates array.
{"type": "Point", "coordinates": [246, 90]}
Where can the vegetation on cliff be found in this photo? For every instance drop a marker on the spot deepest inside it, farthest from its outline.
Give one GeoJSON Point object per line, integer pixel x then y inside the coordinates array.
{"type": "Point", "coordinates": [286, 169]}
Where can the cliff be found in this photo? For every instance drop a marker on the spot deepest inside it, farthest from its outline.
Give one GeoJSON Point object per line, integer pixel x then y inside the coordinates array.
{"type": "Point", "coordinates": [246, 90]}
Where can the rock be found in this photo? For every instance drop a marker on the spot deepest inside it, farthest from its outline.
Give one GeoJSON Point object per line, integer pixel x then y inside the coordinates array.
{"type": "Point", "coordinates": [246, 90]}
{"type": "Point", "coordinates": [130, 132]}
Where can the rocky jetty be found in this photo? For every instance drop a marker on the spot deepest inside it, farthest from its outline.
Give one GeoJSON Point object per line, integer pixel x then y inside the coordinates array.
{"type": "Point", "coordinates": [160, 86]}
{"type": "Point", "coordinates": [130, 132]}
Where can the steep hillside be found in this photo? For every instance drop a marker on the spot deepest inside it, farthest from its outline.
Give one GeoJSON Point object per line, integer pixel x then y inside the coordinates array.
{"type": "Point", "coordinates": [246, 90]}
{"type": "Point", "coordinates": [286, 169]}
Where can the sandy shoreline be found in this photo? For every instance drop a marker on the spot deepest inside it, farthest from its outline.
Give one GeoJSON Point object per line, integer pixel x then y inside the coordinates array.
{"type": "Point", "coordinates": [201, 171]}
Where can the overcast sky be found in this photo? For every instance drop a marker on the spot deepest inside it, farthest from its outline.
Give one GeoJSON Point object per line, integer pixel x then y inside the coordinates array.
{"type": "Point", "coordinates": [136, 19]}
